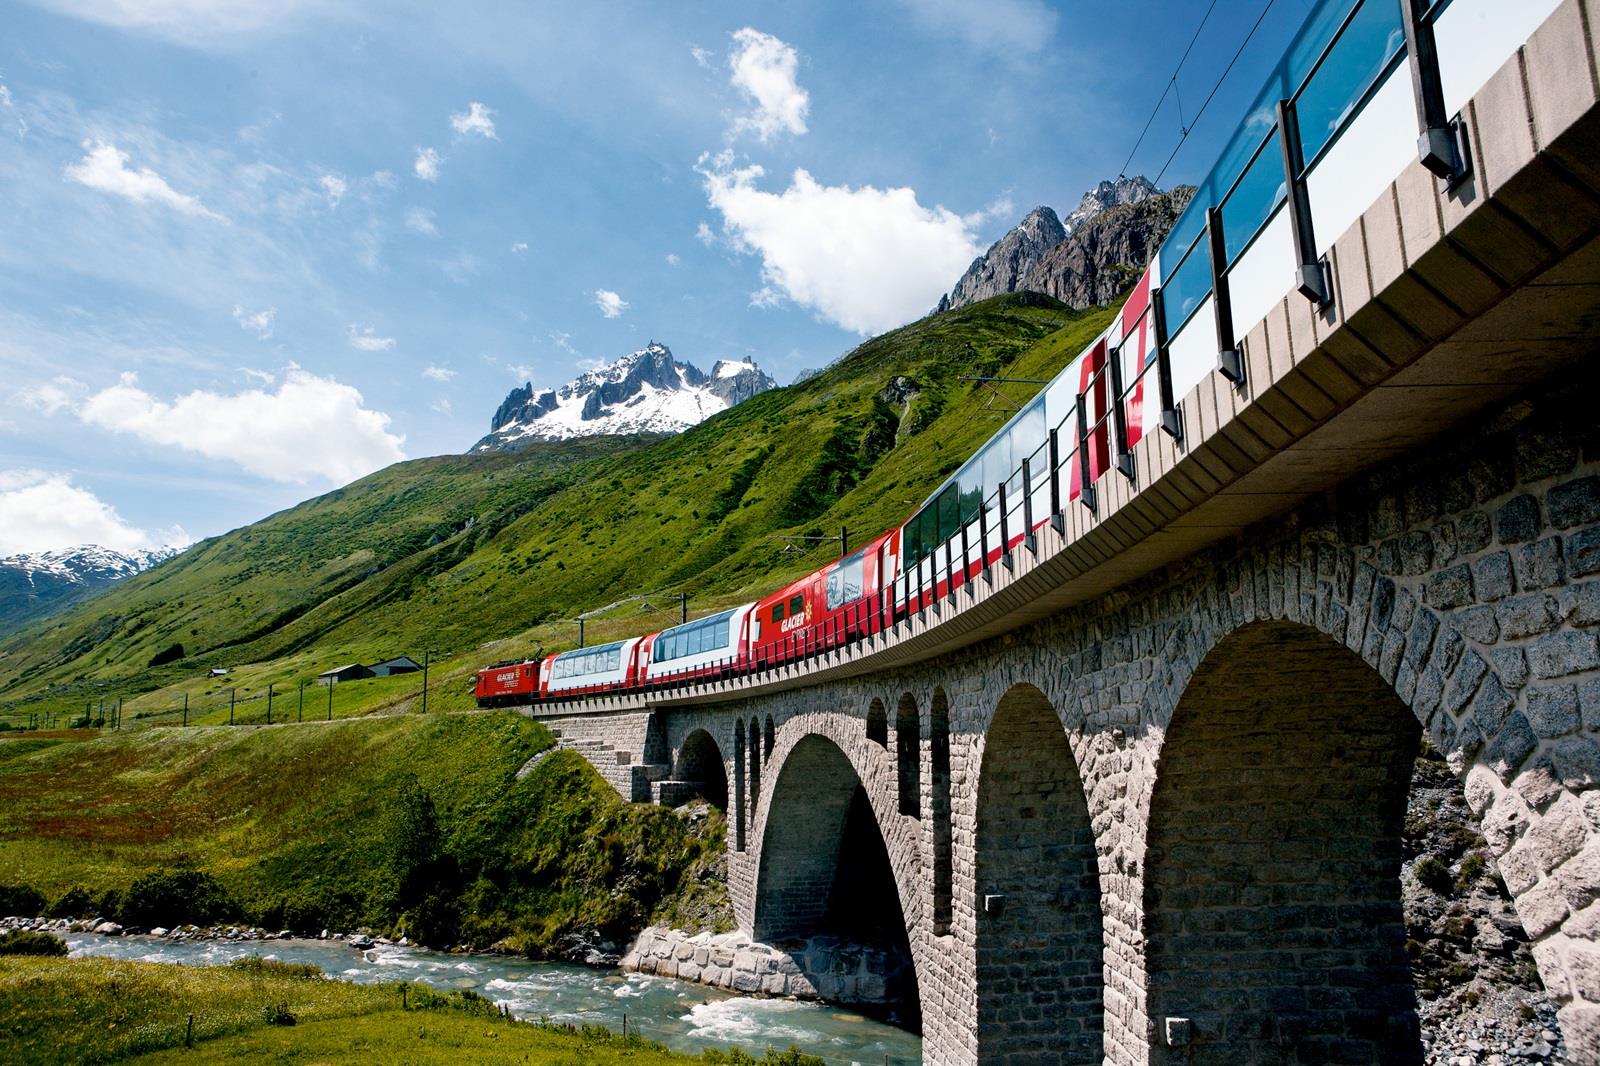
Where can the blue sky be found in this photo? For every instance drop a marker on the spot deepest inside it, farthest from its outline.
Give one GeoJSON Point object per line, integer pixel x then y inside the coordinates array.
{"type": "Point", "coordinates": [247, 255]}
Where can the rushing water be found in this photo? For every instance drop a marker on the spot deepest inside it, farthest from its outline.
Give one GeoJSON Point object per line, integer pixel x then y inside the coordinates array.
{"type": "Point", "coordinates": [683, 1016]}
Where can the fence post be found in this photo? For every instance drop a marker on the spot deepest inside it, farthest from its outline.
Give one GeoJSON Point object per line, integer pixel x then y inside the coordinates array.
{"type": "Point", "coordinates": [425, 681]}
{"type": "Point", "coordinates": [231, 693]}
{"type": "Point", "coordinates": [1057, 519]}
{"type": "Point", "coordinates": [1085, 473]}
{"type": "Point", "coordinates": [1027, 506]}
{"type": "Point", "coordinates": [300, 713]}
{"type": "Point", "coordinates": [1171, 418]}
{"type": "Point", "coordinates": [186, 710]}
{"type": "Point", "coordinates": [269, 702]}
{"type": "Point", "coordinates": [330, 699]}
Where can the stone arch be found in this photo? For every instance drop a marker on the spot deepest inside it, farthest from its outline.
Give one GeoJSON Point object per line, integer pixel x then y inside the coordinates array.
{"type": "Point", "coordinates": [908, 756]}
{"type": "Point", "coordinates": [1039, 933]}
{"type": "Point", "coordinates": [826, 866]}
{"type": "Point", "coordinates": [738, 785]}
{"type": "Point", "coordinates": [878, 724]}
{"type": "Point", "coordinates": [1274, 847]}
{"type": "Point", "coordinates": [943, 851]}
{"type": "Point", "coordinates": [755, 765]}
{"type": "Point", "coordinates": [700, 767]}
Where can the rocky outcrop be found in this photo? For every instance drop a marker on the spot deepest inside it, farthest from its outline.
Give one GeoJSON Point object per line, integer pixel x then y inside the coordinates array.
{"type": "Point", "coordinates": [1105, 253]}
{"type": "Point", "coordinates": [1089, 259]}
{"type": "Point", "coordinates": [1008, 260]}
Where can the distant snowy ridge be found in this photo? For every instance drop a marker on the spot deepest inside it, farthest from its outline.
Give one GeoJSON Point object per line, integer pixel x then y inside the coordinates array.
{"type": "Point", "coordinates": [35, 584]}
{"type": "Point", "coordinates": [86, 562]}
{"type": "Point", "coordinates": [647, 391]}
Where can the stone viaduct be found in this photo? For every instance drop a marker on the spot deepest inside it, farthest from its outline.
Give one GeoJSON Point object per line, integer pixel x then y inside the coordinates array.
{"type": "Point", "coordinates": [1137, 796]}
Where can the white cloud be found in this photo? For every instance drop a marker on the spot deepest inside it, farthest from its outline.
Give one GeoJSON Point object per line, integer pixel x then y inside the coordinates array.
{"type": "Point", "coordinates": [334, 188]}
{"type": "Point", "coordinates": [185, 20]}
{"type": "Point", "coordinates": [5, 96]}
{"type": "Point", "coordinates": [866, 259]}
{"type": "Point", "coordinates": [438, 373]}
{"type": "Point", "coordinates": [1007, 27]}
{"type": "Point", "coordinates": [702, 56]}
{"type": "Point", "coordinates": [42, 512]}
{"type": "Point", "coordinates": [421, 219]}
{"type": "Point", "coordinates": [764, 70]}
{"type": "Point", "coordinates": [257, 322]}
{"type": "Point", "coordinates": [703, 234]}
{"type": "Point", "coordinates": [427, 164]}
{"type": "Point", "coordinates": [442, 405]}
{"type": "Point", "coordinates": [1003, 208]}
{"type": "Point", "coordinates": [366, 339]}
{"type": "Point", "coordinates": [311, 427]}
{"type": "Point", "coordinates": [48, 397]}
{"type": "Point", "coordinates": [610, 304]}
{"type": "Point", "coordinates": [384, 179]}
{"type": "Point", "coordinates": [105, 168]}
{"type": "Point", "coordinates": [766, 298]}
{"type": "Point", "coordinates": [460, 268]}
{"type": "Point", "coordinates": [519, 247]}
{"type": "Point", "coordinates": [673, 260]}
{"type": "Point", "coordinates": [477, 119]}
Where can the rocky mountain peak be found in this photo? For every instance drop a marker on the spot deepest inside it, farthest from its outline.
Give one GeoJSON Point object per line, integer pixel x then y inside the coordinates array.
{"type": "Point", "coordinates": [1110, 194]}
{"type": "Point", "coordinates": [1000, 268]}
{"type": "Point", "coordinates": [34, 584]}
{"type": "Point", "coordinates": [645, 391]}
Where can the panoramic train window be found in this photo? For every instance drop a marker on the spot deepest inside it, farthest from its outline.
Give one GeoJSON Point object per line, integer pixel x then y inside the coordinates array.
{"type": "Point", "coordinates": [706, 634]}
{"type": "Point", "coordinates": [585, 661]}
{"type": "Point", "coordinates": [844, 582]}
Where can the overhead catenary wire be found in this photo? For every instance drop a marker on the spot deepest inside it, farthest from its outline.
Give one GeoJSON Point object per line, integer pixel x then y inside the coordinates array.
{"type": "Point", "coordinates": [1184, 135]}
{"type": "Point", "coordinates": [1172, 84]}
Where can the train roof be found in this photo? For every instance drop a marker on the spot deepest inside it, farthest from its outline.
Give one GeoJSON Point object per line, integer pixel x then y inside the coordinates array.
{"type": "Point", "coordinates": [594, 647]}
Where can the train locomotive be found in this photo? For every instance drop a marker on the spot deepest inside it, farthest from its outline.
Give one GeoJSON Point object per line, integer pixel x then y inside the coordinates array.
{"type": "Point", "coordinates": [988, 506]}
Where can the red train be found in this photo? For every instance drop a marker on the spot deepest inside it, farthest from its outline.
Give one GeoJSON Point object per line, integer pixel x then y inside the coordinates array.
{"type": "Point", "coordinates": [1005, 492]}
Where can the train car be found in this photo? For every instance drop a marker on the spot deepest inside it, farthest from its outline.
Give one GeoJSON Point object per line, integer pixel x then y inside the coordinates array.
{"type": "Point", "coordinates": [600, 668]}
{"type": "Point", "coordinates": [718, 641]}
{"type": "Point", "coordinates": [832, 606]}
{"type": "Point", "coordinates": [507, 683]}
{"type": "Point", "coordinates": [960, 528]}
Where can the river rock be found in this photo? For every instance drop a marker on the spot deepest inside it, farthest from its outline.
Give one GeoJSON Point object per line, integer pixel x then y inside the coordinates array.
{"type": "Point", "coordinates": [108, 929]}
{"type": "Point", "coordinates": [361, 942]}
{"type": "Point", "coordinates": [160, 931]}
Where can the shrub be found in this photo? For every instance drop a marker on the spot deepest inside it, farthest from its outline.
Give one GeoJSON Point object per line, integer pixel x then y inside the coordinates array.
{"type": "Point", "coordinates": [169, 654]}
{"type": "Point", "coordinates": [73, 903]}
{"type": "Point", "coordinates": [256, 966]}
{"type": "Point", "coordinates": [277, 1014]}
{"type": "Point", "coordinates": [169, 897]}
{"type": "Point", "coordinates": [1434, 873]}
{"type": "Point", "coordinates": [20, 900]}
{"type": "Point", "coordinates": [28, 942]}
{"type": "Point", "coordinates": [1472, 865]}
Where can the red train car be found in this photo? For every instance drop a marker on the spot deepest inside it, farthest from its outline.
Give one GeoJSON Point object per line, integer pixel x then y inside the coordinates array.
{"type": "Point", "coordinates": [508, 683]}
{"type": "Point", "coordinates": [836, 604]}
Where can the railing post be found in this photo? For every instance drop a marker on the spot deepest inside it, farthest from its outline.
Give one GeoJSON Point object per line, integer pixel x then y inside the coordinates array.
{"type": "Point", "coordinates": [1086, 482]}
{"type": "Point", "coordinates": [1057, 519]}
{"type": "Point", "coordinates": [966, 548]}
{"type": "Point", "coordinates": [1119, 415]}
{"type": "Point", "coordinates": [1171, 416]}
{"type": "Point", "coordinates": [1310, 272]}
{"type": "Point", "coordinates": [1027, 506]}
{"type": "Point", "coordinates": [1229, 362]}
{"type": "Point", "coordinates": [1441, 141]}
{"type": "Point", "coordinates": [983, 538]}
{"type": "Point", "coordinates": [1005, 528]}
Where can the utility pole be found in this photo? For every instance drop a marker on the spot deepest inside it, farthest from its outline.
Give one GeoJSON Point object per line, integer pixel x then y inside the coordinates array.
{"type": "Point", "coordinates": [269, 702]}
{"type": "Point", "coordinates": [844, 542]}
{"type": "Point", "coordinates": [231, 701]}
{"type": "Point", "coordinates": [683, 607]}
{"type": "Point", "coordinates": [580, 631]}
{"type": "Point", "coordinates": [300, 713]}
{"type": "Point", "coordinates": [330, 699]}
{"type": "Point", "coordinates": [425, 680]}
{"type": "Point", "coordinates": [185, 708]}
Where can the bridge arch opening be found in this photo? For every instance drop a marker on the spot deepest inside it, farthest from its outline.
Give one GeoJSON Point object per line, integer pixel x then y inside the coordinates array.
{"type": "Point", "coordinates": [878, 724]}
{"type": "Point", "coordinates": [1039, 935]}
{"type": "Point", "coordinates": [768, 735]}
{"type": "Point", "coordinates": [755, 767]}
{"type": "Point", "coordinates": [943, 849]}
{"type": "Point", "coordinates": [908, 755]}
{"type": "Point", "coordinates": [1272, 881]}
{"type": "Point", "coordinates": [699, 766]}
{"type": "Point", "coordinates": [738, 785]}
{"type": "Point", "coordinates": [825, 878]}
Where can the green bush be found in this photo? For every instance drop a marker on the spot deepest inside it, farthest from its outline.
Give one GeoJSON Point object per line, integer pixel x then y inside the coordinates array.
{"type": "Point", "coordinates": [1433, 872]}
{"type": "Point", "coordinates": [73, 903]}
{"type": "Point", "coordinates": [20, 901]}
{"type": "Point", "coordinates": [277, 1014]}
{"type": "Point", "coordinates": [257, 966]}
{"type": "Point", "coordinates": [28, 942]}
{"type": "Point", "coordinates": [171, 897]}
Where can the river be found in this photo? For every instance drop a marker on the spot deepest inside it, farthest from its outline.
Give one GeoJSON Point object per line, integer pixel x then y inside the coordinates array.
{"type": "Point", "coordinates": [683, 1016]}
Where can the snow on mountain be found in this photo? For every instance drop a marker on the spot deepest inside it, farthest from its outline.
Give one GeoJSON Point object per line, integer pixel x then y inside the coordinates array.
{"type": "Point", "coordinates": [34, 584]}
{"type": "Point", "coordinates": [647, 391]}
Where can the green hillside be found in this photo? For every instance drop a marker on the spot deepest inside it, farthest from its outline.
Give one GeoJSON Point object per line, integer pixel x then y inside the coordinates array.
{"type": "Point", "coordinates": [485, 556]}
{"type": "Point", "coordinates": [413, 824]}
